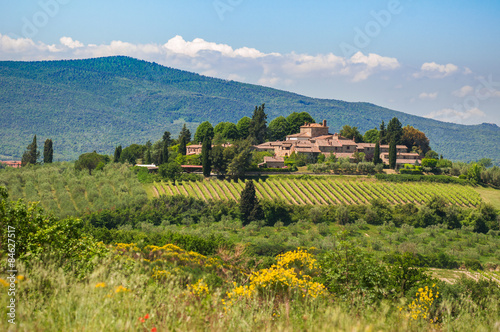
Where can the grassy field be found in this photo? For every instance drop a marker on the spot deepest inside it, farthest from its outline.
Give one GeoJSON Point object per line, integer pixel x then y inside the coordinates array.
{"type": "Point", "coordinates": [63, 191]}
{"type": "Point", "coordinates": [324, 190]}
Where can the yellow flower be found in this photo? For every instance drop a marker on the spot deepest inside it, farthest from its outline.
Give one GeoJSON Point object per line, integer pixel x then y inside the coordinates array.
{"type": "Point", "coordinates": [100, 285]}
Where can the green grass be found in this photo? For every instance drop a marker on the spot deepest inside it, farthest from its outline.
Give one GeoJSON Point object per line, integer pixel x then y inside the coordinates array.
{"type": "Point", "coordinates": [490, 195]}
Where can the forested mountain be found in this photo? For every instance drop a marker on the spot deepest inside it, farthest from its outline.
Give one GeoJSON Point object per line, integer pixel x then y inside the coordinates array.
{"type": "Point", "coordinates": [96, 104]}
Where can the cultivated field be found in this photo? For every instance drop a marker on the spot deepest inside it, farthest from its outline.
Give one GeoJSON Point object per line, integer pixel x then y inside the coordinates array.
{"type": "Point", "coordinates": [65, 192]}
{"type": "Point", "coordinates": [323, 190]}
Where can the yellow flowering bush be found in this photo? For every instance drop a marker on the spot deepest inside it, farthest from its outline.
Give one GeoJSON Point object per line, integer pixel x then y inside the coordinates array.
{"type": "Point", "coordinates": [199, 289]}
{"type": "Point", "coordinates": [419, 308]}
{"type": "Point", "coordinates": [291, 274]}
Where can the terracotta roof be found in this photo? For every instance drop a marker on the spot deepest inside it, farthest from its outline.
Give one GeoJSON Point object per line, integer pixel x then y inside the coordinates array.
{"type": "Point", "coordinates": [366, 145]}
{"type": "Point", "coordinates": [300, 135]}
{"type": "Point", "coordinates": [273, 159]}
{"type": "Point", "coordinates": [310, 125]}
{"type": "Point", "coordinates": [385, 146]}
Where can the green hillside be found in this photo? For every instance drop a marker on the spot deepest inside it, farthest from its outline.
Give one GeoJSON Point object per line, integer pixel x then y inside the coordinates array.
{"type": "Point", "coordinates": [95, 104]}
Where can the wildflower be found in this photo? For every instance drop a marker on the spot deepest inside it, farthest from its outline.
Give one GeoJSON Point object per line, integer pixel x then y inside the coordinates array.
{"type": "Point", "coordinates": [153, 329]}
{"type": "Point", "coordinates": [4, 283]}
{"type": "Point", "coordinates": [100, 285]}
{"type": "Point", "coordinates": [120, 289]}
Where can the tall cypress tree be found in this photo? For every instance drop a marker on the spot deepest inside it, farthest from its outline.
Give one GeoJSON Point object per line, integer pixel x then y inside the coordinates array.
{"type": "Point", "coordinates": [31, 155]}
{"type": "Point", "coordinates": [376, 154]}
{"type": "Point", "coordinates": [250, 208]}
{"type": "Point", "coordinates": [118, 153]}
{"type": "Point", "coordinates": [258, 125]}
{"type": "Point", "coordinates": [392, 153]}
{"type": "Point", "coordinates": [383, 133]}
{"type": "Point", "coordinates": [206, 161]}
{"type": "Point", "coordinates": [166, 140]}
{"type": "Point", "coordinates": [184, 139]}
{"type": "Point", "coordinates": [395, 130]}
{"type": "Point", "coordinates": [48, 152]}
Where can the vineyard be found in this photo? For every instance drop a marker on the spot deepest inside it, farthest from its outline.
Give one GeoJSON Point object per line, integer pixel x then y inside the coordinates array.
{"type": "Point", "coordinates": [66, 192]}
{"type": "Point", "coordinates": [325, 191]}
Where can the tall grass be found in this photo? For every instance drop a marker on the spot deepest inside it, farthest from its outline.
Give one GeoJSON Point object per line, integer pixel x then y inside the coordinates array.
{"type": "Point", "coordinates": [51, 300]}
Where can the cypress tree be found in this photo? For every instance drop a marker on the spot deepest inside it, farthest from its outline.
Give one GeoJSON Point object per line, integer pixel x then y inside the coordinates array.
{"type": "Point", "coordinates": [184, 139]}
{"type": "Point", "coordinates": [258, 125]}
{"type": "Point", "coordinates": [383, 133]}
{"type": "Point", "coordinates": [31, 155]}
{"type": "Point", "coordinates": [48, 152]}
{"type": "Point", "coordinates": [376, 154]}
{"type": "Point", "coordinates": [392, 153]}
{"type": "Point", "coordinates": [118, 153]}
{"type": "Point", "coordinates": [206, 161]}
{"type": "Point", "coordinates": [250, 208]}
{"type": "Point", "coordinates": [166, 143]}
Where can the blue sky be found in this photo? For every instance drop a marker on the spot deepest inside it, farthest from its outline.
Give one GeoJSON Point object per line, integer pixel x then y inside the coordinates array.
{"type": "Point", "coordinates": [438, 59]}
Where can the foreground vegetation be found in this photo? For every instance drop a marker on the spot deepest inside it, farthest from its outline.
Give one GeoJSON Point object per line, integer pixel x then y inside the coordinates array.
{"type": "Point", "coordinates": [183, 263]}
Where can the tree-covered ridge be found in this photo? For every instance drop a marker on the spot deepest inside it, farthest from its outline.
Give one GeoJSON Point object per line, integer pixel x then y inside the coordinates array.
{"type": "Point", "coordinates": [96, 104]}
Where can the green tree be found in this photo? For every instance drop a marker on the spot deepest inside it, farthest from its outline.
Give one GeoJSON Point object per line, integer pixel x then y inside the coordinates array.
{"type": "Point", "coordinates": [184, 139]}
{"type": "Point", "coordinates": [131, 153]}
{"type": "Point", "coordinates": [258, 125]}
{"type": "Point", "coordinates": [485, 162]}
{"type": "Point", "coordinates": [147, 155]}
{"type": "Point", "coordinates": [118, 153]}
{"type": "Point", "coordinates": [48, 152]}
{"type": "Point", "coordinates": [371, 136]}
{"type": "Point", "coordinates": [395, 131]}
{"type": "Point", "coordinates": [230, 131]}
{"type": "Point", "coordinates": [205, 156]}
{"type": "Point", "coordinates": [170, 170]}
{"type": "Point", "coordinates": [240, 163]}
{"type": "Point", "coordinates": [383, 134]}
{"type": "Point", "coordinates": [431, 154]}
{"type": "Point", "coordinates": [392, 153]}
{"type": "Point", "coordinates": [250, 208]}
{"type": "Point", "coordinates": [474, 173]}
{"type": "Point", "coordinates": [243, 126]}
{"type": "Point", "coordinates": [90, 161]}
{"type": "Point", "coordinates": [376, 155]}
{"type": "Point", "coordinates": [205, 129]}
{"type": "Point", "coordinates": [219, 163]}
{"type": "Point", "coordinates": [415, 140]}
{"type": "Point", "coordinates": [278, 129]}
{"type": "Point", "coordinates": [295, 120]}
{"type": "Point", "coordinates": [31, 155]}
{"type": "Point", "coordinates": [351, 133]}
{"type": "Point", "coordinates": [166, 141]}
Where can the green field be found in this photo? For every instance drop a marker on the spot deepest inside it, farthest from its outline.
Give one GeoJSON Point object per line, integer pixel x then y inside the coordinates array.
{"type": "Point", "coordinates": [326, 191]}
{"type": "Point", "coordinates": [62, 190]}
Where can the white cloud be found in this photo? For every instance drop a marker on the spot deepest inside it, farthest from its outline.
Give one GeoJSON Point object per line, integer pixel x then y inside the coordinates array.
{"type": "Point", "coordinates": [467, 71]}
{"type": "Point", "coordinates": [428, 95]}
{"type": "Point", "coordinates": [452, 115]}
{"type": "Point", "coordinates": [463, 91]}
{"type": "Point", "coordinates": [434, 70]}
{"type": "Point", "coordinates": [69, 42]}
{"type": "Point", "coordinates": [211, 58]}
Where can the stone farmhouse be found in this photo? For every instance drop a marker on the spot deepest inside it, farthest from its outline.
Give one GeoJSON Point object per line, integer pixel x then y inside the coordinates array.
{"type": "Point", "coordinates": [314, 139]}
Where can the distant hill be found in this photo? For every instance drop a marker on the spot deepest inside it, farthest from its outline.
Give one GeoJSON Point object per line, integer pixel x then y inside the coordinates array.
{"type": "Point", "coordinates": [96, 104]}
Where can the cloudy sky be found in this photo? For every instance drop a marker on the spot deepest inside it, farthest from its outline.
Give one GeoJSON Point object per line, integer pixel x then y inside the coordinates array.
{"type": "Point", "coordinates": [438, 59]}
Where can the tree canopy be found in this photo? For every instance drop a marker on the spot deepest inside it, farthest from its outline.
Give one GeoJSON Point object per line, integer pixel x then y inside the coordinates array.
{"type": "Point", "coordinates": [205, 129]}
{"type": "Point", "coordinates": [31, 154]}
{"type": "Point", "coordinates": [295, 120]}
{"type": "Point", "coordinates": [278, 129]}
{"type": "Point", "coordinates": [351, 133]}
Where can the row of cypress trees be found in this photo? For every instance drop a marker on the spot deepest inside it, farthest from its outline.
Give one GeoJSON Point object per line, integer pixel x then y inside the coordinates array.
{"type": "Point", "coordinates": [31, 155]}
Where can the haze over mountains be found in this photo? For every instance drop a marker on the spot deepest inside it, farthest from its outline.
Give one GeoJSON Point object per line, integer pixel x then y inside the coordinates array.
{"type": "Point", "coordinates": [96, 104]}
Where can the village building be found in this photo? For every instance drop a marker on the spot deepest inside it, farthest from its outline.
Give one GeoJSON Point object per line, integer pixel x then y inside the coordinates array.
{"type": "Point", "coordinates": [11, 163]}
{"type": "Point", "coordinates": [196, 148]}
{"type": "Point", "coordinates": [314, 139]}
{"type": "Point", "coordinates": [273, 162]}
